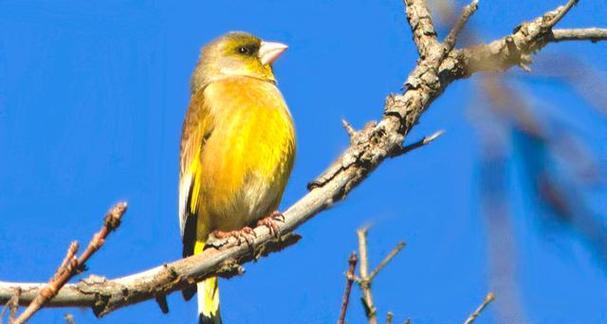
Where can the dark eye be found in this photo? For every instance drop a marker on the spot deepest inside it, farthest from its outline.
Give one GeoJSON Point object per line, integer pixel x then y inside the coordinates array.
{"type": "Point", "coordinates": [243, 50]}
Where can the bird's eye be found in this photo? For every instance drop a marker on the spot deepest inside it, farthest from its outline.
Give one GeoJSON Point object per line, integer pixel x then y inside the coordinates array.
{"type": "Point", "coordinates": [243, 50]}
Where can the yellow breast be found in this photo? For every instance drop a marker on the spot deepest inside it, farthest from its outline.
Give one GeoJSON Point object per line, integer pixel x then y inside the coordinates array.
{"type": "Point", "coordinates": [247, 160]}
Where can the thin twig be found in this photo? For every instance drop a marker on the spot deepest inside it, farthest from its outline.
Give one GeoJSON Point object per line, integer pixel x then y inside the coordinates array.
{"type": "Point", "coordinates": [12, 305]}
{"type": "Point", "coordinates": [70, 266]}
{"type": "Point", "coordinates": [561, 12]}
{"type": "Point", "coordinates": [349, 280]}
{"type": "Point", "coordinates": [579, 34]}
{"type": "Point", "coordinates": [364, 283]}
{"type": "Point", "coordinates": [422, 142]}
{"type": "Point", "coordinates": [488, 299]}
{"type": "Point", "coordinates": [386, 260]}
{"type": "Point", "coordinates": [69, 258]}
{"type": "Point", "coordinates": [451, 38]}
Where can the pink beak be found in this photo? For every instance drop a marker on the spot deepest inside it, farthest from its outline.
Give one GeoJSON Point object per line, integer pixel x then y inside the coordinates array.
{"type": "Point", "coordinates": [270, 51]}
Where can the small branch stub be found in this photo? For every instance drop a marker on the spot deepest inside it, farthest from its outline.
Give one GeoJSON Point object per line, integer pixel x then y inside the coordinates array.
{"type": "Point", "coordinates": [422, 142]}
{"type": "Point", "coordinates": [349, 129]}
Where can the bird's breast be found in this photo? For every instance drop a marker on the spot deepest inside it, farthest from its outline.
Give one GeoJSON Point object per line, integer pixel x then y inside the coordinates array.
{"type": "Point", "coordinates": [249, 156]}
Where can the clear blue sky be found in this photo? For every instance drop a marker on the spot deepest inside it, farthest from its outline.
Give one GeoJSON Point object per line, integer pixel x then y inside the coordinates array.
{"type": "Point", "coordinates": [91, 103]}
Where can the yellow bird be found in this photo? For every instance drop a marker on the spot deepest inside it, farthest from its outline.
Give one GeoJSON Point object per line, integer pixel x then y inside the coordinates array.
{"type": "Point", "coordinates": [237, 149]}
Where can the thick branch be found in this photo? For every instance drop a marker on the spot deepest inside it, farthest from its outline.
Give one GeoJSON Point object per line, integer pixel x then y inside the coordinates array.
{"type": "Point", "coordinates": [369, 147]}
{"type": "Point", "coordinates": [420, 20]}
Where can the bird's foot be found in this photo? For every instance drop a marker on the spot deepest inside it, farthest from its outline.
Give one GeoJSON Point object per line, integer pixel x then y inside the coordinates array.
{"type": "Point", "coordinates": [245, 234]}
{"type": "Point", "coordinates": [271, 222]}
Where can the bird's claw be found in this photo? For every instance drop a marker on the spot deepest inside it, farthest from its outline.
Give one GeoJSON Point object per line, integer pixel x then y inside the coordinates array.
{"type": "Point", "coordinates": [245, 234]}
{"type": "Point", "coordinates": [271, 222]}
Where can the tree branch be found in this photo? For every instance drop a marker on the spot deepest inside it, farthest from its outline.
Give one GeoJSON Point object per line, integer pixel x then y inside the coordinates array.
{"type": "Point", "coordinates": [467, 12]}
{"type": "Point", "coordinates": [560, 13]}
{"type": "Point", "coordinates": [422, 28]}
{"type": "Point", "coordinates": [70, 266]}
{"type": "Point", "coordinates": [422, 142]}
{"type": "Point", "coordinates": [386, 260]}
{"type": "Point", "coordinates": [365, 282]}
{"type": "Point", "coordinates": [579, 34]}
{"type": "Point", "coordinates": [369, 147]}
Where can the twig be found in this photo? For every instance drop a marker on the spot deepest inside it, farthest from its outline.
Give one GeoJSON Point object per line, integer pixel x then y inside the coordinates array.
{"type": "Point", "coordinates": [68, 260]}
{"type": "Point", "coordinates": [110, 223]}
{"type": "Point", "coordinates": [386, 260]}
{"type": "Point", "coordinates": [70, 266]}
{"type": "Point", "coordinates": [488, 299]}
{"type": "Point", "coordinates": [349, 280]}
{"type": "Point", "coordinates": [364, 283]}
{"type": "Point", "coordinates": [14, 306]}
{"type": "Point", "coordinates": [365, 278]}
{"type": "Point", "coordinates": [422, 142]}
{"type": "Point", "coordinates": [451, 38]}
{"type": "Point", "coordinates": [579, 34]}
{"type": "Point", "coordinates": [560, 13]}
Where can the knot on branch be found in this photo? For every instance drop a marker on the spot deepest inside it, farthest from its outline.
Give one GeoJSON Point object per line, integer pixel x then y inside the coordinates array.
{"type": "Point", "coordinates": [396, 105]}
{"type": "Point", "coordinates": [230, 268]}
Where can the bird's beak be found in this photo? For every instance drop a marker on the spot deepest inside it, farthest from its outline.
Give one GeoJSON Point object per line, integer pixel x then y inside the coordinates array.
{"type": "Point", "coordinates": [270, 51]}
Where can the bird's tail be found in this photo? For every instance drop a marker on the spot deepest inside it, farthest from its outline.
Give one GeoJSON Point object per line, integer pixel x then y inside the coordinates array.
{"type": "Point", "coordinates": [208, 301]}
{"type": "Point", "coordinates": [208, 296]}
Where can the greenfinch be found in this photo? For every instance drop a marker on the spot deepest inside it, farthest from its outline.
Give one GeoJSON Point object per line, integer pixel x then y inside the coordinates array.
{"type": "Point", "coordinates": [237, 149]}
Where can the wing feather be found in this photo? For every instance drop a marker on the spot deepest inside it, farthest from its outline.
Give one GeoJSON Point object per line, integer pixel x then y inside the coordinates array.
{"type": "Point", "coordinates": [197, 127]}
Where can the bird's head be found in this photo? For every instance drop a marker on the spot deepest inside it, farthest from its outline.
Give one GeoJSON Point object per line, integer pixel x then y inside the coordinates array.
{"type": "Point", "coordinates": [236, 54]}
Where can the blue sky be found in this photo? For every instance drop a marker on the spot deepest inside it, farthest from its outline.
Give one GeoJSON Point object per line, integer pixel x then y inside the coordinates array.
{"type": "Point", "coordinates": [91, 103]}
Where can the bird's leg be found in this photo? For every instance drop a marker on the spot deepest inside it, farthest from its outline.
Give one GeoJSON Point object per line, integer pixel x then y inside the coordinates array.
{"type": "Point", "coordinates": [246, 234]}
{"type": "Point", "coordinates": [271, 222]}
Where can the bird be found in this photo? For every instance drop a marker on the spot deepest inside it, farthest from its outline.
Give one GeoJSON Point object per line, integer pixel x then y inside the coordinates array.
{"type": "Point", "coordinates": [237, 150]}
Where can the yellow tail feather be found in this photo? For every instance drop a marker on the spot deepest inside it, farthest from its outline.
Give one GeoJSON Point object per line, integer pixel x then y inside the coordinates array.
{"type": "Point", "coordinates": [208, 296]}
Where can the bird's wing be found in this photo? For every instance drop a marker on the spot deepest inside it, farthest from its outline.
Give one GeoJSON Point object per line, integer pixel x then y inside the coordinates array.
{"type": "Point", "coordinates": [197, 128]}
